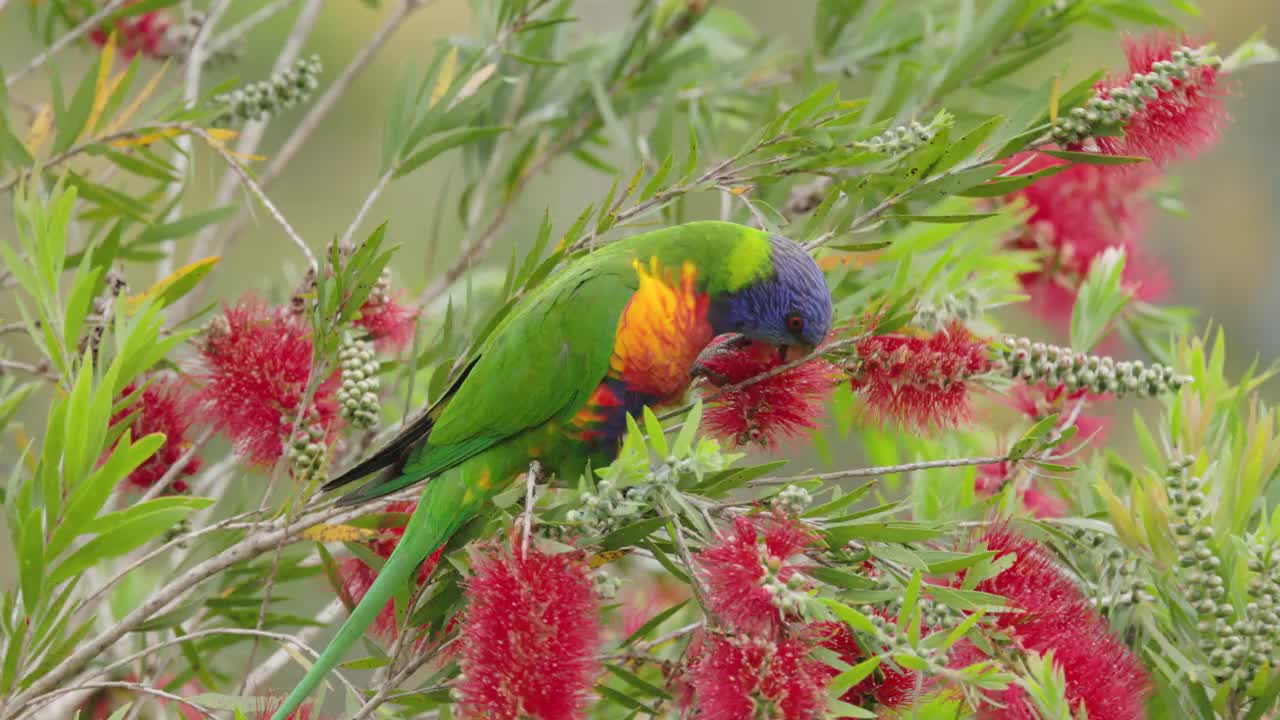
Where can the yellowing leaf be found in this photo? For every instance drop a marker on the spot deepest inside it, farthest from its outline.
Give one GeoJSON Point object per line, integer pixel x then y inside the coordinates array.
{"type": "Point", "coordinates": [146, 138]}
{"type": "Point", "coordinates": [740, 189]}
{"type": "Point", "coordinates": [175, 285]}
{"type": "Point", "coordinates": [474, 82]}
{"type": "Point", "coordinates": [102, 93]}
{"type": "Point", "coordinates": [40, 128]}
{"type": "Point", "coordinates": [222, 134]}
{"type": "Point", "coordinates": [132, 107]}
{"type": "Point", "coordinates": [606, 557]}
{"type": "Point", "coordinates": [1054, 96]}
{"type": "Point", "coordinates": [1121, 517]}
{"type": "Point", "coordinates": [338, 533]}
{"type": "Point", "coordinates": [445, 78]}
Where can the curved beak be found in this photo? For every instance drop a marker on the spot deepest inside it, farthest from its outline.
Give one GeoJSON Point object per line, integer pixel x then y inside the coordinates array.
{"type": "Point", "coordinates": [792, 353]}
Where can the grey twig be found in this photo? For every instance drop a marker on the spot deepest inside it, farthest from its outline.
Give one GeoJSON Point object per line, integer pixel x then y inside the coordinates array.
{"type": "Point", "coordinates": [134, 687]}
{"type": "Point", "coordinates": [882, 470]}
{"type": "Point", "coordinates": [261, 195]}
{"type": "Point", "coordinates": [74, 34]}
{"type": "Point", "coordinates": [319, 111]}
{"type": "Point", "coordinates": [174, 470]}
{"type": "Point", "coordinates": [242, 28]}
{"type": "Point", "coordinates": [190, 97]}
{"type": "Point", "coordinates": [531, 478]}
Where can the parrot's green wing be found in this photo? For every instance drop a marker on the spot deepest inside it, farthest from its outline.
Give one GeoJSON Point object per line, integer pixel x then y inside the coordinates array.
{"type": "Point", "coordinates": [542, 363]}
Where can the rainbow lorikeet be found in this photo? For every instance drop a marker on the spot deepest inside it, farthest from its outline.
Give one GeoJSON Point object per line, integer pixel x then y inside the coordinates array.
{"type": "Point", "coordinates": [614, 332]}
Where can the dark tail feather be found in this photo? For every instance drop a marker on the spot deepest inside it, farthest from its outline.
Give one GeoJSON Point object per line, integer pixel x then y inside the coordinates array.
{"type": "Point", "coordinates": [393, 455]}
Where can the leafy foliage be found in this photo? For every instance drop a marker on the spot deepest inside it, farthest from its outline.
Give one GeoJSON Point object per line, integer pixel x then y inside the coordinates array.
{"type": "Point", "coordinates": [891, 145]}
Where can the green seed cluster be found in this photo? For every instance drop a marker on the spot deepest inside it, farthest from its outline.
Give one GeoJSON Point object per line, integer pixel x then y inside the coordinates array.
{"type": "Point", "coordinates": [358, 396]}
{"type": "Point", "coordinates": [788, 595]}
{"type": "Point", "coordinates": [793, 500]}
{"type": "Point", "coordinates": [1125, 587]}
{"type": "Point", "coordinates": [606, 585]}
{"type": "Point", "coordinates": [1120, 104]}
{"type": "Point", "coordinates": [1221, 636]}
{"type": "Point", "coordinates": [900, 139]}
{"type": "Point", "coordinates": [608, 508]}
{"type": "Point", "coordinates": [897, 643]}
{"type": "Point", "coordinates": [308, 453]}
{"type": "Point", "coordinates": [1051, 365]}
{"type": "Point", "coordinates": [262, 99]}
{"type": "Point", "coordinates": [961, 307]}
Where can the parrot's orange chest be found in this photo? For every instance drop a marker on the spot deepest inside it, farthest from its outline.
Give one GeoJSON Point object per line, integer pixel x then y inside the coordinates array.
{"type": "Point", "coordinates": [662, 329]}
{"type": "Point", "coordinates": [659, 335]}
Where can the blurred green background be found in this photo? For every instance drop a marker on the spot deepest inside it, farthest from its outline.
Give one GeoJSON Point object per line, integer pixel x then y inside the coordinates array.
{"type": "Point", "coordinates": [1222, 256]}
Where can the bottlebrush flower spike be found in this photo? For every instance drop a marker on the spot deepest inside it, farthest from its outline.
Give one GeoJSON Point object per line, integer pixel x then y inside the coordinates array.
{"type": "Point", "coordinates": [992, 478]}
{"type": "Point", "coordinates": [734, 675]}
{"type": "Point", "coordinates": [888, 687]}
{"type": "Point", "coordinates": [145, 34]}
{"type": "Point", "coordinates": [268, 708]}
{"type": "Point", "coordinates": [255, 364]}
{"type": "Point", "coordinates": [164, 407]}
{"type": "Point", "coordinates": [750, 578]}
{"type": "Point", "coordinates": [389, 324]}
{"type": "Point", "coordinates": [1048, 612]}
{"type": "Point", "coordinates": [776, 408]}
{"type": "Point", "coordinates": [917, 381]}
{"type": "Point", "coordinates": [357, 576]}
{"type": "Point", "coordinates": [529, 636]}
{"type": "Point", "coordinates": [1183, 112]}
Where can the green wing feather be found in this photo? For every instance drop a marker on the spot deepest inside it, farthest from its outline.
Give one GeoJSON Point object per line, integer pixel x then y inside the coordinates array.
{"type": "Point", "coordinates": [540, 364]}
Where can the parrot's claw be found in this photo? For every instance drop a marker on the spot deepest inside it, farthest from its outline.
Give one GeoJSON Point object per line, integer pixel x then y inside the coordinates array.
{"type": "Point", "coordinates": [700, 369]}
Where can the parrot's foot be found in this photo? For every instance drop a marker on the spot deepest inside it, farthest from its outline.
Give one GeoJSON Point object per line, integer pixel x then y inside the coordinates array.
{"type": "Point", "coordinates": [730, 343]}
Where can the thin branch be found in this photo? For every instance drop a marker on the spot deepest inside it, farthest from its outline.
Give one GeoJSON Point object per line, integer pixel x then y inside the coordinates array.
{"type": "Point", "coordinates": [282, 638]}
{"type": "Point", "coordinates": [134, 687]}
{"type": "Point", "coordinates": [531, 478]}
{"type": "Point", "coordinates": [101, 140]}
{"type": "Point", "coordinates": [182, 159]}
{"type": "Point", "coordinates": [174, 470]}
{"type": "Point", "coordinates": [233, 35]}
{"type": "Point", "coordinates": [384, 692]}
{"type": "Point", "coordinates": [319, 111]}
{"type": "Point", "coordinates": [261, 674]}
{"type": "Point", "coordinates": [882, 470]}
{"type": "Point", "coordinates": [683, 550]}
{"type": "Point", "coordinates": [41, 370]}
{"type": "Point", "coordinates": [90, 23]}
{"type": "Point", "coordinates": [367, 205]}
{"type": "Point", "coordinates": [261, 195]}
{"type": "Point", "coordinates": [265, 539]}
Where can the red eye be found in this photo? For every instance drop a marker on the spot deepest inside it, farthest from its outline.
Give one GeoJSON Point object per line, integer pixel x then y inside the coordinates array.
{"type": "Point", "coordinates": [795, 323]}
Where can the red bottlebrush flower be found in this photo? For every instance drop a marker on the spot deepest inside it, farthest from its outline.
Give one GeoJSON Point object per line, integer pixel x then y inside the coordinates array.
{"type": "Point", "coordinates": [164, 408]}
{"type": "Point", "coordinates": [1038, 403]}
{"type": "Point", "coordinates": [1048, 612]}
{"type": "Point", "coordinates": [736, 571]}
{"type": "Point", "coordinates": [255, 363]}
{"type": "Point", "coordinates": [779, 407]}
{"type": "Point", "coordinates": [1179, 122]}
{"type": "Point", "coordinates": [920, 382]}
{"type": "Point", "coordinates": [357, 576]}
{"type": "Point", "coordinates": [732, 676]}
{"type": "Point", "coordinates": [389, 324]}
{"type": "Point", "coordinates": [887, 687]}
{"type": "Point", "coordinates": [529, 636]}
{"type": "Point", "coordinates": [144, 34]}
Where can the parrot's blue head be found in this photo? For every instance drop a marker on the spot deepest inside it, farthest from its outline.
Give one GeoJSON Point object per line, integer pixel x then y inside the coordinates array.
{"type": "Point", "coordinates": [789, 307]}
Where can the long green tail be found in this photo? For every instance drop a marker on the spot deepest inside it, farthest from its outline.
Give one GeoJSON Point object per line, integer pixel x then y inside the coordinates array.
{"type": "Point", "coordinates": [439, 514]}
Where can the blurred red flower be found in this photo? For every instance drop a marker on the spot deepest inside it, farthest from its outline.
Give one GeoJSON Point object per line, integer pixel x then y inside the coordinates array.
{"type": "Point", "coordinates": [920, 382]}
{"type": "Point", "coordinates": [389, 324]}
{"type": "Point", "coordinates": [255, 362]}
{"type": "Point", "coordinates": [144, 34]}
{"type": "Point", "coordinates": [888, 686]}
{"type": "Point", "coordinates": [529, 636]}
{"type": "Point", "coordinates": [164, 407]}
